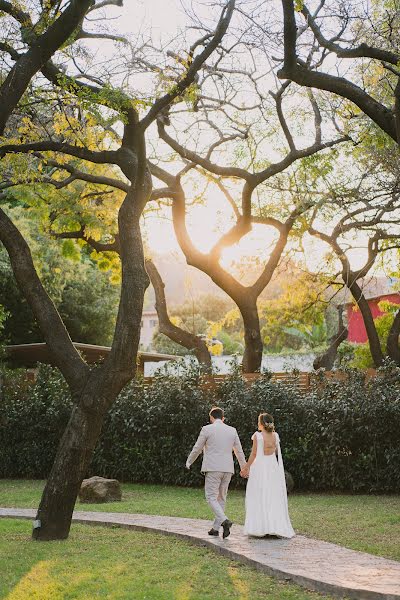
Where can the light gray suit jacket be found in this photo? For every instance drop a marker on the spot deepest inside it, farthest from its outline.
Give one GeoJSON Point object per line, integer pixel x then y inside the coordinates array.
{"type": "Point", "coordinates": [217, 441]}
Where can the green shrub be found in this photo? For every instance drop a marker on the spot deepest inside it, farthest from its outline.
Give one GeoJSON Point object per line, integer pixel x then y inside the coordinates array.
{"type": "Point", "coordinates": [32, 420]}
{"type": "Point", "coordinates": [338, 436]}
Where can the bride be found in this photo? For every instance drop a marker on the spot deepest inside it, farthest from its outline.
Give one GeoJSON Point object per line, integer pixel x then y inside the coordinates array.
{"type": "Point", "coordinates": [266, 496]}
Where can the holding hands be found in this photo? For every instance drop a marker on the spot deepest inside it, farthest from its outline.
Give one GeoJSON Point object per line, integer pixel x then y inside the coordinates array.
{"type": "Point", "coordinates": [245, 471]}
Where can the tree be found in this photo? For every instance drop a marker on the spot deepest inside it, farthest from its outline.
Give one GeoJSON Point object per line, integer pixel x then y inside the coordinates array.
{"type": "Point", "coordinates": [327, 359]}
{"type": "Point", "coordinates": [371, 210]}
{"type": "Point", "coordinates": [368, 39]}
{"type": "Point", "coordinates": [253, 183]}
{"type": "Point", "coordinates": [88, 107]}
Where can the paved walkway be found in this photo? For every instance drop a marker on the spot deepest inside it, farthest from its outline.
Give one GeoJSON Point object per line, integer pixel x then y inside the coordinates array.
{"type": "Point", "coordinates": [314, 564]}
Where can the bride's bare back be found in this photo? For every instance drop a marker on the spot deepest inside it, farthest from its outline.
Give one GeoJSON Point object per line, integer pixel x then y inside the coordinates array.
{"type": "Point", "coordinates": [269, 442]}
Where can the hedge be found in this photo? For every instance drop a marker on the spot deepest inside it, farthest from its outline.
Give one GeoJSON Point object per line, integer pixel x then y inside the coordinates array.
{"type": "Point", "coordinates": [339, 436]}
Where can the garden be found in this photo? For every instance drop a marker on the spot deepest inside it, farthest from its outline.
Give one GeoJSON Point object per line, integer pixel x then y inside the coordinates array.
{"type": "Point", "coordinates": [212, 187]}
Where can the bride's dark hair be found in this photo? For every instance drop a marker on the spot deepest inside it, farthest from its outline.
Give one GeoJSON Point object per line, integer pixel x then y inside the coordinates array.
{"type": "Point", "coordinates": [266, 421]}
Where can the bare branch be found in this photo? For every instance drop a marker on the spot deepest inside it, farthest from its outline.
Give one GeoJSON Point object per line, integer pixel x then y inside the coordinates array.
{"type": "Point", "coordinates": [195, 66]}
{"type": "Point", "coordinates": [104, 3]}
{"type": "Point", "coordinates": [4, 47]}
{"type": "Point", "coordinates": [89, 177]}
{"type": "Point", "coordinates": [363, 50]}
{"type": "Point", "coordinates": [297, 71]}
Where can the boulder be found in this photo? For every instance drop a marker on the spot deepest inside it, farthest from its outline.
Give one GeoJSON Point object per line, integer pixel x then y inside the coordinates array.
{"type": "Point", "coordinates": [99, 489]}
{"type": "Point", "coordinates": [289, 482]}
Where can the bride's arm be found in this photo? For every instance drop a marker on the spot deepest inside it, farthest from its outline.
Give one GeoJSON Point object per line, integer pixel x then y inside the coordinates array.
{"type": "Point", "coordinates": [253, 453]}
{"type": "Point", "coordinates": [252, 457]}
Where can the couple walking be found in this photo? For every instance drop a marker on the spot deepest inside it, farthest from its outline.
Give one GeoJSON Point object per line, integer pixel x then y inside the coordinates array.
{"type": "Point", "coordinates": [266, 497]}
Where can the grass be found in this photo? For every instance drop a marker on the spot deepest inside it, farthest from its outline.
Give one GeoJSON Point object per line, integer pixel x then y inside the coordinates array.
{"type": "Point", "coordinates": [366, 523]}
{"type": "Point", "coordinates": [99, 562]}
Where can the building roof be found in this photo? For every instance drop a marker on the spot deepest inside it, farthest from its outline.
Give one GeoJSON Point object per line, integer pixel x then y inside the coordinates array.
{"type": "Point", "coordinates": [28, 355]}
{"type": "Point", "coordinates": [373, 287]}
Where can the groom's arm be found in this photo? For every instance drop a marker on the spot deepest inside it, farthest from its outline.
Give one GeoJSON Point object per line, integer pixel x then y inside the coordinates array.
{"type": "Point", "coordinates": [197, 448]}
{"type": "Point", "coordinates": [238, 450]}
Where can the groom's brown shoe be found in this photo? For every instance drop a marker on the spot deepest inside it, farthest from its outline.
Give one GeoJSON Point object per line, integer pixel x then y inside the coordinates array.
{"type": "Point", "coordinates": [226, 525]}
{"type": "Point", "coordinates": [213, 532]}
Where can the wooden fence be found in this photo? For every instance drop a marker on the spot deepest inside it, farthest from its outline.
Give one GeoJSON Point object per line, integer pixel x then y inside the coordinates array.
{"type": "Point", "coordinates": [302, 379]}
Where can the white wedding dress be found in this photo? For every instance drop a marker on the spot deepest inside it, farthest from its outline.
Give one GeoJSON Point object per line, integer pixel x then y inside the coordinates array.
{"type": "Point", "coordinates": [266, 496]}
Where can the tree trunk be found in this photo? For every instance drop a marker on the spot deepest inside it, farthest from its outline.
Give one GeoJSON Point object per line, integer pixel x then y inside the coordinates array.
{"type": "Point", "coordinates": [327, 359]}
{"type": "Point", "coordinates": [252, 357]}
{"type": "Point", "coordinates": [373, 338]}
{"type": "Point", "coordinates": [166, 327]}
{"type": "Point", "coordinates": [53, 519]}
{"type": "Point", "coordinates": [392, 346]}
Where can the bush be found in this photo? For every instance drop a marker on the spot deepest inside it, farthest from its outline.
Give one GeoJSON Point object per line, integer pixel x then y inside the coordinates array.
{"type": "Point", "coordinates": [343, 437]}
{"type": "Point", "coordinates": [32, 420]}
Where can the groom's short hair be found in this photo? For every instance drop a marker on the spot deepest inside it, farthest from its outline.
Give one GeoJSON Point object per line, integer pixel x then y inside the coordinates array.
{"type": "Point", "coordinates": [216, 412]}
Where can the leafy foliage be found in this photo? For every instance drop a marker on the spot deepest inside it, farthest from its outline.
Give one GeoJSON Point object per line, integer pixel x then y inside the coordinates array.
{"type": "Point", "coordinates": [83, 293]}
{"type": "Point", "coordinates": [335, 437]}
{"type": "Point", "coordinates": [358, 356]}
{"type": "Point", "coordinates": [296, 318]}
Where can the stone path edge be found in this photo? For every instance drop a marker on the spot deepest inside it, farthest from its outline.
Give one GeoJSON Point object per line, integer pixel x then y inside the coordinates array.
{"type": "Point", "coordinates": [309, 583]}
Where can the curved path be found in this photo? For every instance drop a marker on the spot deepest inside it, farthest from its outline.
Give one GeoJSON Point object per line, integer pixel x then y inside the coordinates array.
{"type": "Point", "coordinates": [314, 564]}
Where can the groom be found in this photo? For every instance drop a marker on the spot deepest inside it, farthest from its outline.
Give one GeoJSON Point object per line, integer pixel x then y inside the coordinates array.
{"type": "Point", "coordinates": [217, 441]}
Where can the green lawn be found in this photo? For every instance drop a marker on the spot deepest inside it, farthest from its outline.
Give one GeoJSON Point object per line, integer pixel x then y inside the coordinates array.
{"type": "Point", "coordinates": [102, 562]}
{"type": "Point", "coordinates": [367, 523]}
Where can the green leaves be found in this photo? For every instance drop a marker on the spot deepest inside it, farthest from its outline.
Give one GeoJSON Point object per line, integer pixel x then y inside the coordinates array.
{"type": "Point", "coordinates": [70, 250]}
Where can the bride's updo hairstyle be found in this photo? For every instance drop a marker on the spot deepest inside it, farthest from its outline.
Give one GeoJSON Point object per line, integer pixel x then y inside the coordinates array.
{"type": "Point", "coordinates": [266, 421]}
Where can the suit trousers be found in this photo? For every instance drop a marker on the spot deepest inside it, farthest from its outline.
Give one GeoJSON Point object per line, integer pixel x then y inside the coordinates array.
{"type": "Point", "coordinates": [216, 489]}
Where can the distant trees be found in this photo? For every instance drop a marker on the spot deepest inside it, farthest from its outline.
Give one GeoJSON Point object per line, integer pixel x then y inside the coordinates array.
{"type": "Point", "coordinates": [297, 318]}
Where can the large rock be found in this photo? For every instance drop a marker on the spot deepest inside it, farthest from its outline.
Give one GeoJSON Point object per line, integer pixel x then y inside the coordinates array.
{"type": "Point", "coordinates": [289, 482]}
{"type": "Point", "coordinates": [99, 489]}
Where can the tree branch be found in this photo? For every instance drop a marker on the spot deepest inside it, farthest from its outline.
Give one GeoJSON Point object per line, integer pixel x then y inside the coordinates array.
{"type": "Point", "coordinates": [100, 157]}
{"type": "Point", "coordinates": [195, 65]}
{"type": "Point", "coordinates": [104, 3]}
{"type": "Point", "coordinates": [40, 51]}
{"type": "Point", "coordinates": [198, 160]}
{"type": "Point", "coordinates": [273, 261]}
{"type": "Point", "coordinates": [363, 50]}
{"type": "Point", "coordinates": [302, 75]}
{"type": "Point", "coordinates": [80, 235]}
{"type": "Point", "coordinates": [15, 11]}
{"type": "Point", "coordinates": [177, 334]}
{"type": "Point", "coordinates": [66, 356]}
{"type": "Point", "coordinates": [4, 47]}
{"type": "Point", "coordinates": [89, 177]}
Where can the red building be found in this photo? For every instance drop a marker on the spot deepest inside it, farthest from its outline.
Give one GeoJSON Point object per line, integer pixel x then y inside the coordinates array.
{"type": "Point", "coordinates": [375, 290]}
